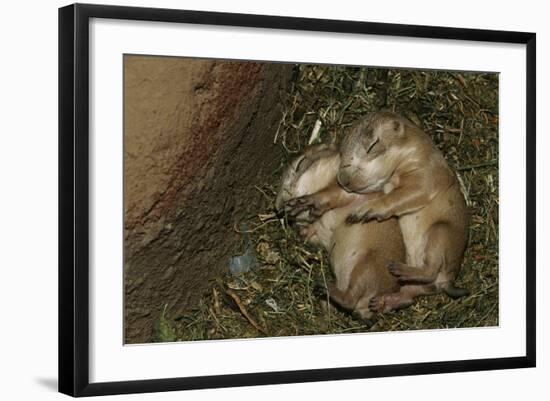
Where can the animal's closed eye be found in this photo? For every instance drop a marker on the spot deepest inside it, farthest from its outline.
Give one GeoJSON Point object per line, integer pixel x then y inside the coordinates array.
{"type": "Point", "coordinates": [372, 145]}
{"type": "Point", "coordinates": [297, 168]}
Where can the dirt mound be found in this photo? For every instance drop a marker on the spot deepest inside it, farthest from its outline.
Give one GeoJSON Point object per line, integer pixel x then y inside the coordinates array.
{"type": "Point", "coordinates": [198, 136]}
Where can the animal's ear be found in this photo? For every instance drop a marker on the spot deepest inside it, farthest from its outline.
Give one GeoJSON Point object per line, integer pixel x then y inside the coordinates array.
{"type": "Point", "coordinates": [316, 152]}
{"type": "Point", "coordinates": [365, 133]}
{"type": "Point", "coordinates": [392, 129]}
{"type": "Point", "coordinates": [397, 128]}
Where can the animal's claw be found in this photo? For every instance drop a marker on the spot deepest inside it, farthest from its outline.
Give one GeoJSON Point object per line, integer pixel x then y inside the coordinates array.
{"type": "Point", "coordinates": [353, 219]}
{"type": "Point", "coordinates": [376, 304]}
{"type": "Point", "coordinates": [305, 203]}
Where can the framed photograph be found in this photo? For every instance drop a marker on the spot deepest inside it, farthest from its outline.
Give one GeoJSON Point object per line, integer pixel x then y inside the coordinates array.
{"type": "Point", "coordinates": [251, 199]}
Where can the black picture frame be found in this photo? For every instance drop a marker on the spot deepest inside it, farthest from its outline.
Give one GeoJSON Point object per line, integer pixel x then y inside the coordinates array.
{"type": "Point", "coordinates": [74, 198]}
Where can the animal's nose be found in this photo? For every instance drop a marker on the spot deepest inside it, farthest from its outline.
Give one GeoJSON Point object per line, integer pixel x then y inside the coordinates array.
{"type": "Point", "coordinates": [343, 179]}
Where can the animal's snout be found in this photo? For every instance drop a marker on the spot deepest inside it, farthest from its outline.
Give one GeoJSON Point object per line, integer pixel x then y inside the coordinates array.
{"type": "Point", "coordinates": [343, 179]}
{"type": "Point", "coordinates": [279, 203]}
{"type": "Point", "coordinates": [279, 212]}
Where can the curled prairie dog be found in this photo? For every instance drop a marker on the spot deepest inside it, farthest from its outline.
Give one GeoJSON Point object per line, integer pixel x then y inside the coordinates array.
{"type": "Point", "coordinates": [359, 253]}
{"type": "Point", "coordinates": [387, 154]}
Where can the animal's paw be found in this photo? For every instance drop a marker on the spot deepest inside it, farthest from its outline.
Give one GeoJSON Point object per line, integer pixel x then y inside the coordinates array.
{"type": "Point", "coordinates": [378, 215]}
{"type": "Point", "coordinates": [362, 215]}
{"type": "Point", "coordinates": [353, 219]}
{"type": "Point", "coordinates": [296, 206]}
{"type": "Point", "coordinates": [367, 318]}
{"type": "Point", "coordinates": [400, 271]}
{"type": "Point", "coordinates": [319, 288]}
{"type": "Point", "coordinates": [365, 215]}
{"type": "Point", "coordinates": [377, 304]}
{"type": "Point", "coordinates": [393, 267]}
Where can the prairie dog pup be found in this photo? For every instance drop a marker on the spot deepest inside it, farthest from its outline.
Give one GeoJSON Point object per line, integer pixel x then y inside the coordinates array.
{"type": "Point", "coordinates": [359, 253]}
{"type": "Point", "coordinates": [387, 153]}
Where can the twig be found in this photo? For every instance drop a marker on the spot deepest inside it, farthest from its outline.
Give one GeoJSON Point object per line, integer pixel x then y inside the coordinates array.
{"type": "Point", "coordinates": [245, 312]}
{"type": "Point", "coordinates": [279, 127]}
{"type": "Point", "coordinates": [263, 193]}
{"type": "Point", "coordinates": [315, 133]}
{"type": "Point", "coordinates": [326, 289]}
{"type": "Point", "coordinates": [472, 166]}
{"type": "Point", "coordinates": [216, 302]}
{"type": "Point", "coordinates": [218, 324]}
{"type": "Point", "coordinates": [255, 228]}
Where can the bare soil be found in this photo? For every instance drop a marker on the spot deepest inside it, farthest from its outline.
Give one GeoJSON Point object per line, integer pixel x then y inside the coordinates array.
{"type": "Point", "coordinates": [198, 137]}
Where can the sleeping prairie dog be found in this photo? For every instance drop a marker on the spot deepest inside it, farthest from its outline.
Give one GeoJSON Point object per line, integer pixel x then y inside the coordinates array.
{"type": "Point", "coordinates": [387, 154]}
{"type": "Point", "coordinates": [359, 253]}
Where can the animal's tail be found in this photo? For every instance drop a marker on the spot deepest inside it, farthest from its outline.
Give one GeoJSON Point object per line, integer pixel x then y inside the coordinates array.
{"type": "Point", "coordinates": [454, 292]}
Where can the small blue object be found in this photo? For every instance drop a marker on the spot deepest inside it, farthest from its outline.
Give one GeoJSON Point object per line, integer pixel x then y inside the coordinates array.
{"type": "Point", "coordinates": [247, 261]}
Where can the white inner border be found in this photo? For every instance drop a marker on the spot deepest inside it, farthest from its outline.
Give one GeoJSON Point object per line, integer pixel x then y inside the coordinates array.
{"type": "Point", "coordinates": [111, 361]}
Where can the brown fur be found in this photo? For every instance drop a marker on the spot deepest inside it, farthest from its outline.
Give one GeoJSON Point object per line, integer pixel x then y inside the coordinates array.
{"type": "Point", "coordinates": [388, 155]}
{"type": "Point", "coordinates": [359, 253]}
